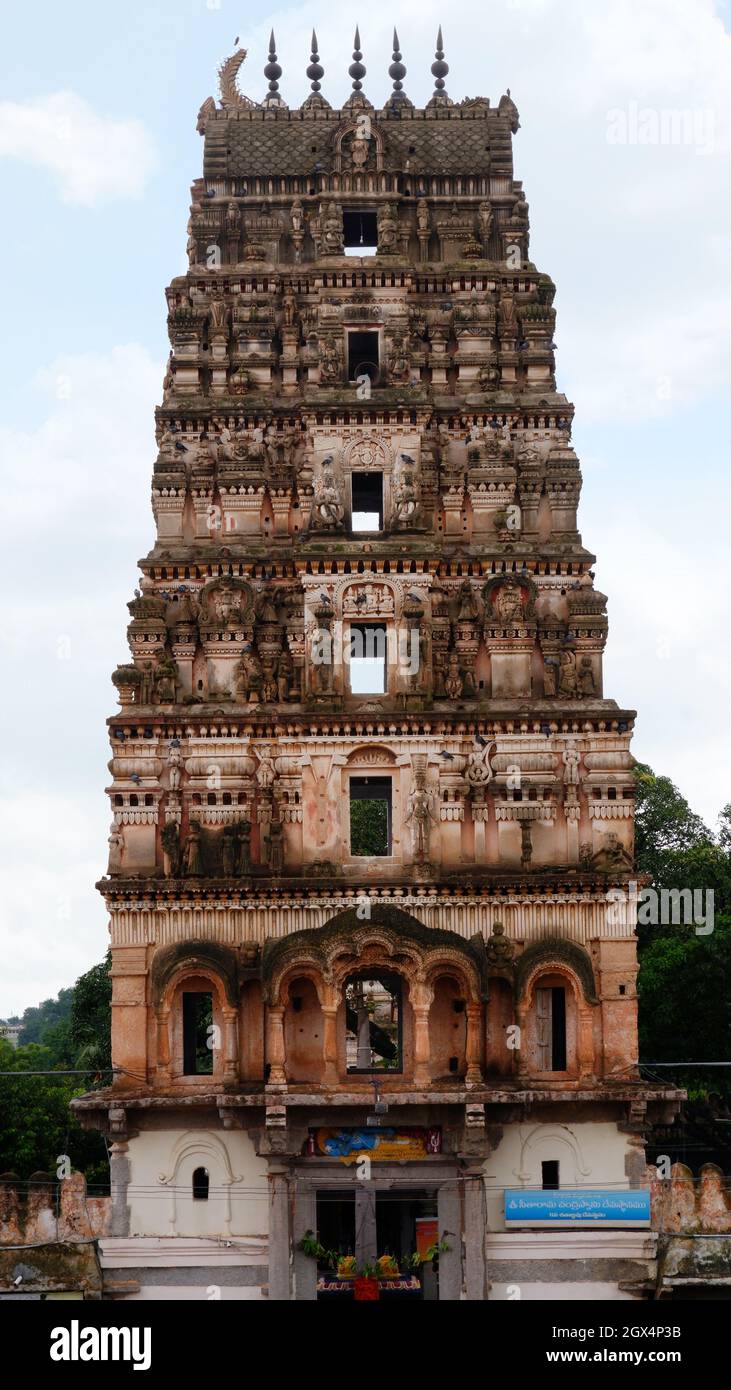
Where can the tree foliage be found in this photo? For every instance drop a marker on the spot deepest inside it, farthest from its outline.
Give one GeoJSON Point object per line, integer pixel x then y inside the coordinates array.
{"type": "Point", "coordinates": [684, 983]}
{"type": "Point", "coordinates": [36, 1124]}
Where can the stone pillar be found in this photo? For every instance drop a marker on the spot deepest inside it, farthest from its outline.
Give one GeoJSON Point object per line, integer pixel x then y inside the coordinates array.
{"type": "Point", "coordinates": [365, 1224]}
{"type": "Point", "coordinates": [585, 1041]}
{"type": "Point", "coordinates": [305, 1268]}
{"type": "Point", "coordinates": [421, 999]}
{"type": "Point", "coordinates": [230, 1045]}
{"type": "Point", "coordinates": [329, 1045]}
{"type": "Point", "coordinates": [449, 1227]}
{"type": "Point", "coordinates": [279, 1234]}
{"type": "Point", "coordinates": [473, 1046]}
{"type": "Point", "coordinates": [475, 1227]}
{"type": "Point", "coordinates": [119, 1177]}
{"type": "Point", "coordinates": [163, 1044]}
{"type": "Point", "coordinates": [275, 1051]}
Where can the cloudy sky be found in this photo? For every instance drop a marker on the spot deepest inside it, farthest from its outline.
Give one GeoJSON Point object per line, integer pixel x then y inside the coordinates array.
{"type": "Point", "coordinates": [625, 111]}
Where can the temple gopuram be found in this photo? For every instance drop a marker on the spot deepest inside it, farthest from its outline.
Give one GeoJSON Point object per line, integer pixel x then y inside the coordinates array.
{"type": "Point", "coordinates": [372, 931]}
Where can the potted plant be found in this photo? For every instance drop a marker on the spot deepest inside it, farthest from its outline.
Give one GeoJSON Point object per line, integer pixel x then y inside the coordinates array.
{"type": "Point", "coordinates": [387, 1267]}
{"type": "Point", "coordinates": [365, 1287]}
{"type": "Point", "coordinates": [346, 1267]}
{"type": "Point", "coordinates": [310, 1245]}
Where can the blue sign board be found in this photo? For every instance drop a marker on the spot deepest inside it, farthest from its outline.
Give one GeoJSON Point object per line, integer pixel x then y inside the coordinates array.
{"type": "Point", "coordinates": [577, 1207]}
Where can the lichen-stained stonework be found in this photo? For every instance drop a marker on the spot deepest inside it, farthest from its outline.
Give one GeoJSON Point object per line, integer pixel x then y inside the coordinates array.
{"type": "Point", "coordinates": [308, 383]}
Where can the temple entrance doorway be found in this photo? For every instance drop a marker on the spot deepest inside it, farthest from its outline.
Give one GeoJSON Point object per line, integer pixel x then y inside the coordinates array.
{"type": "Point", "coordinates": [359, 1227]}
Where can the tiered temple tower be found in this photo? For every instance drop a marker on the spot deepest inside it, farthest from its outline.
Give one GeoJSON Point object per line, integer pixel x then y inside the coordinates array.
{"type": "Point", "coordinates": [372, 811]}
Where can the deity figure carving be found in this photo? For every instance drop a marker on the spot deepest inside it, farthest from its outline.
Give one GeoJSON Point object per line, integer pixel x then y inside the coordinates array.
{"type": "Point", "coordinates": [297, 227]}
{"type": "Point", "coordinates": [499, 949]}
{"type": "Point", "coordinates": [567, 685]}
{"type": "Point", "coordinates": [484, 220]}
{"type": "Point", "coordinates": [285, 675]}
{"type": "Point", "coordinates": [192, 855]}
{"type": "Point", "coordinates": [570, 760]}
{"type": "Point", "coordinates": [327, 508]}
{"type": "Point", "coordinates": [368, 598]}
{"type": "Point", "coordinates": [387, 230]}
{"type": "Point", "coordinates": [116, 849]}
{"type": "Point", "coordinates": [289, 306]}
{"type": "Point", "coordinates": [509, 601]}
{"type": "Point", "coordinates": [550, 677]}
{"type": "Point", "coordinates": [243, 836]}
{"type": "Point", "coordinates": [468, 610]}
{"type": "Point", "coordinates": [420, 815]}
{"type": "Point", "coordinates": [229, 852]}
{"type": "Point", "coordinates": [332, 231]}
{"type": "Point", "coordinates": [399, 365]}
{"type": "Point", "coordinates": [612, 855]}
{"type": "Point", "coordinates": [405, 499]}
{"type": "Point", "coordinates": [478, 771]}
{"type": "Point", "coordinates": [266, 773]}
{"type": "Point", "coordinates": [170, 839]}
{"type": "Point", "coordinates": [423, 218]}
{"type": "Point", "coordinates": [454, 683]}
{"type": "Point", "coordinates": [166, 677]}
{"type": "Point", "coordinates": [248, 677]}
{"type": "Point", "coordinates": [175, 761]}
{"type": "Point", "coordinates": [585, 677]}
{"type": "Point", "coordinates": [275, 846]}
{"type": "Point", "coordinates": [330, 365]}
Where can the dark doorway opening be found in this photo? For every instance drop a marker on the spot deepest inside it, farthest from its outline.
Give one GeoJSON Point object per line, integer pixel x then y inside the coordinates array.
{"type": "Point", "coordinates": [363, 356]}
{"type": "Point", "coordinates": [197, 1034]}
{"type": "Point", "coordinates": [367, 501]}
{"type": "Point", "coordinates": [558, 1029]}
{"type": "Point", "coordinates": [336, 1222]}
{"type": "Point", "coordinates": [360, 232]}
{"type": "Point", "coordinates": [549, 1175]}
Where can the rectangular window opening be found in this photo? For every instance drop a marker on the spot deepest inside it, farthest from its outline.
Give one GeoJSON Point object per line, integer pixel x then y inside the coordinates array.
{"type": "Point", "coordinates": [197, 1024]}
{"type": "Point", "coordinates": [363, 355]}
{"type": "Point", "coordinates": [367, 501]}
{"type": "Point", "coordinates": [360, 233]}
{"type": "Point", "coordinates": [367, 658]}
{"type": "Point", "coordinates": [370, 816]}
{"type": "Point", "coordinates": [549, 1175]}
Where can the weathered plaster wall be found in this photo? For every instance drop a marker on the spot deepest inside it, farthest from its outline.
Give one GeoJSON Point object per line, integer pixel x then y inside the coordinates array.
{"type": "Point", "coordinates": [590, 1155]}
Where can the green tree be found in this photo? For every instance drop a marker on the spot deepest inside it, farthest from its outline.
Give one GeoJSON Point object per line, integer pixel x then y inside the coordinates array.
{"type": "Point", "coordinates": [90, 1024]}
{"type": "Point", "coordinates": [36, 1123]}
{"type": "Point", "coordinates": [684, 984]}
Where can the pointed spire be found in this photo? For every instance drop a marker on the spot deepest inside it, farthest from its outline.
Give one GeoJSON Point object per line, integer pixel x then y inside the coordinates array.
{"type": "Point", "coordinates": [357, 70]}
{"type": "Point", "coordinates": [273, 72]}
{"type": "Point", "coordinates": [315, 71]}
{"type": "Point", "coordinates": [439, 68]}
{"type": "Point", "coordinates": [397, 71]}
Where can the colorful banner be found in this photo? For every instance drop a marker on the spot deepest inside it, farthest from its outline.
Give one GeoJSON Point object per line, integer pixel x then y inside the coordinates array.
{"type": "Point", "coordinates": [380, 1145]}
{"type": "Point", "coordinates": [596, 1207]}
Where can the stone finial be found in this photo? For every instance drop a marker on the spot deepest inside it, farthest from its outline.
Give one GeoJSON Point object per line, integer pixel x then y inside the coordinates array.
{"type": "Point", "coordinates": [439, 68]}
{"type": "Point", "coordinates": [315, 71]}
{"type": "Point", "coordinates": [357, 68]}
{"type": "Point", "coordinates": [273, 72]}
{"type": "Point", "coordinates": [397, 70]}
